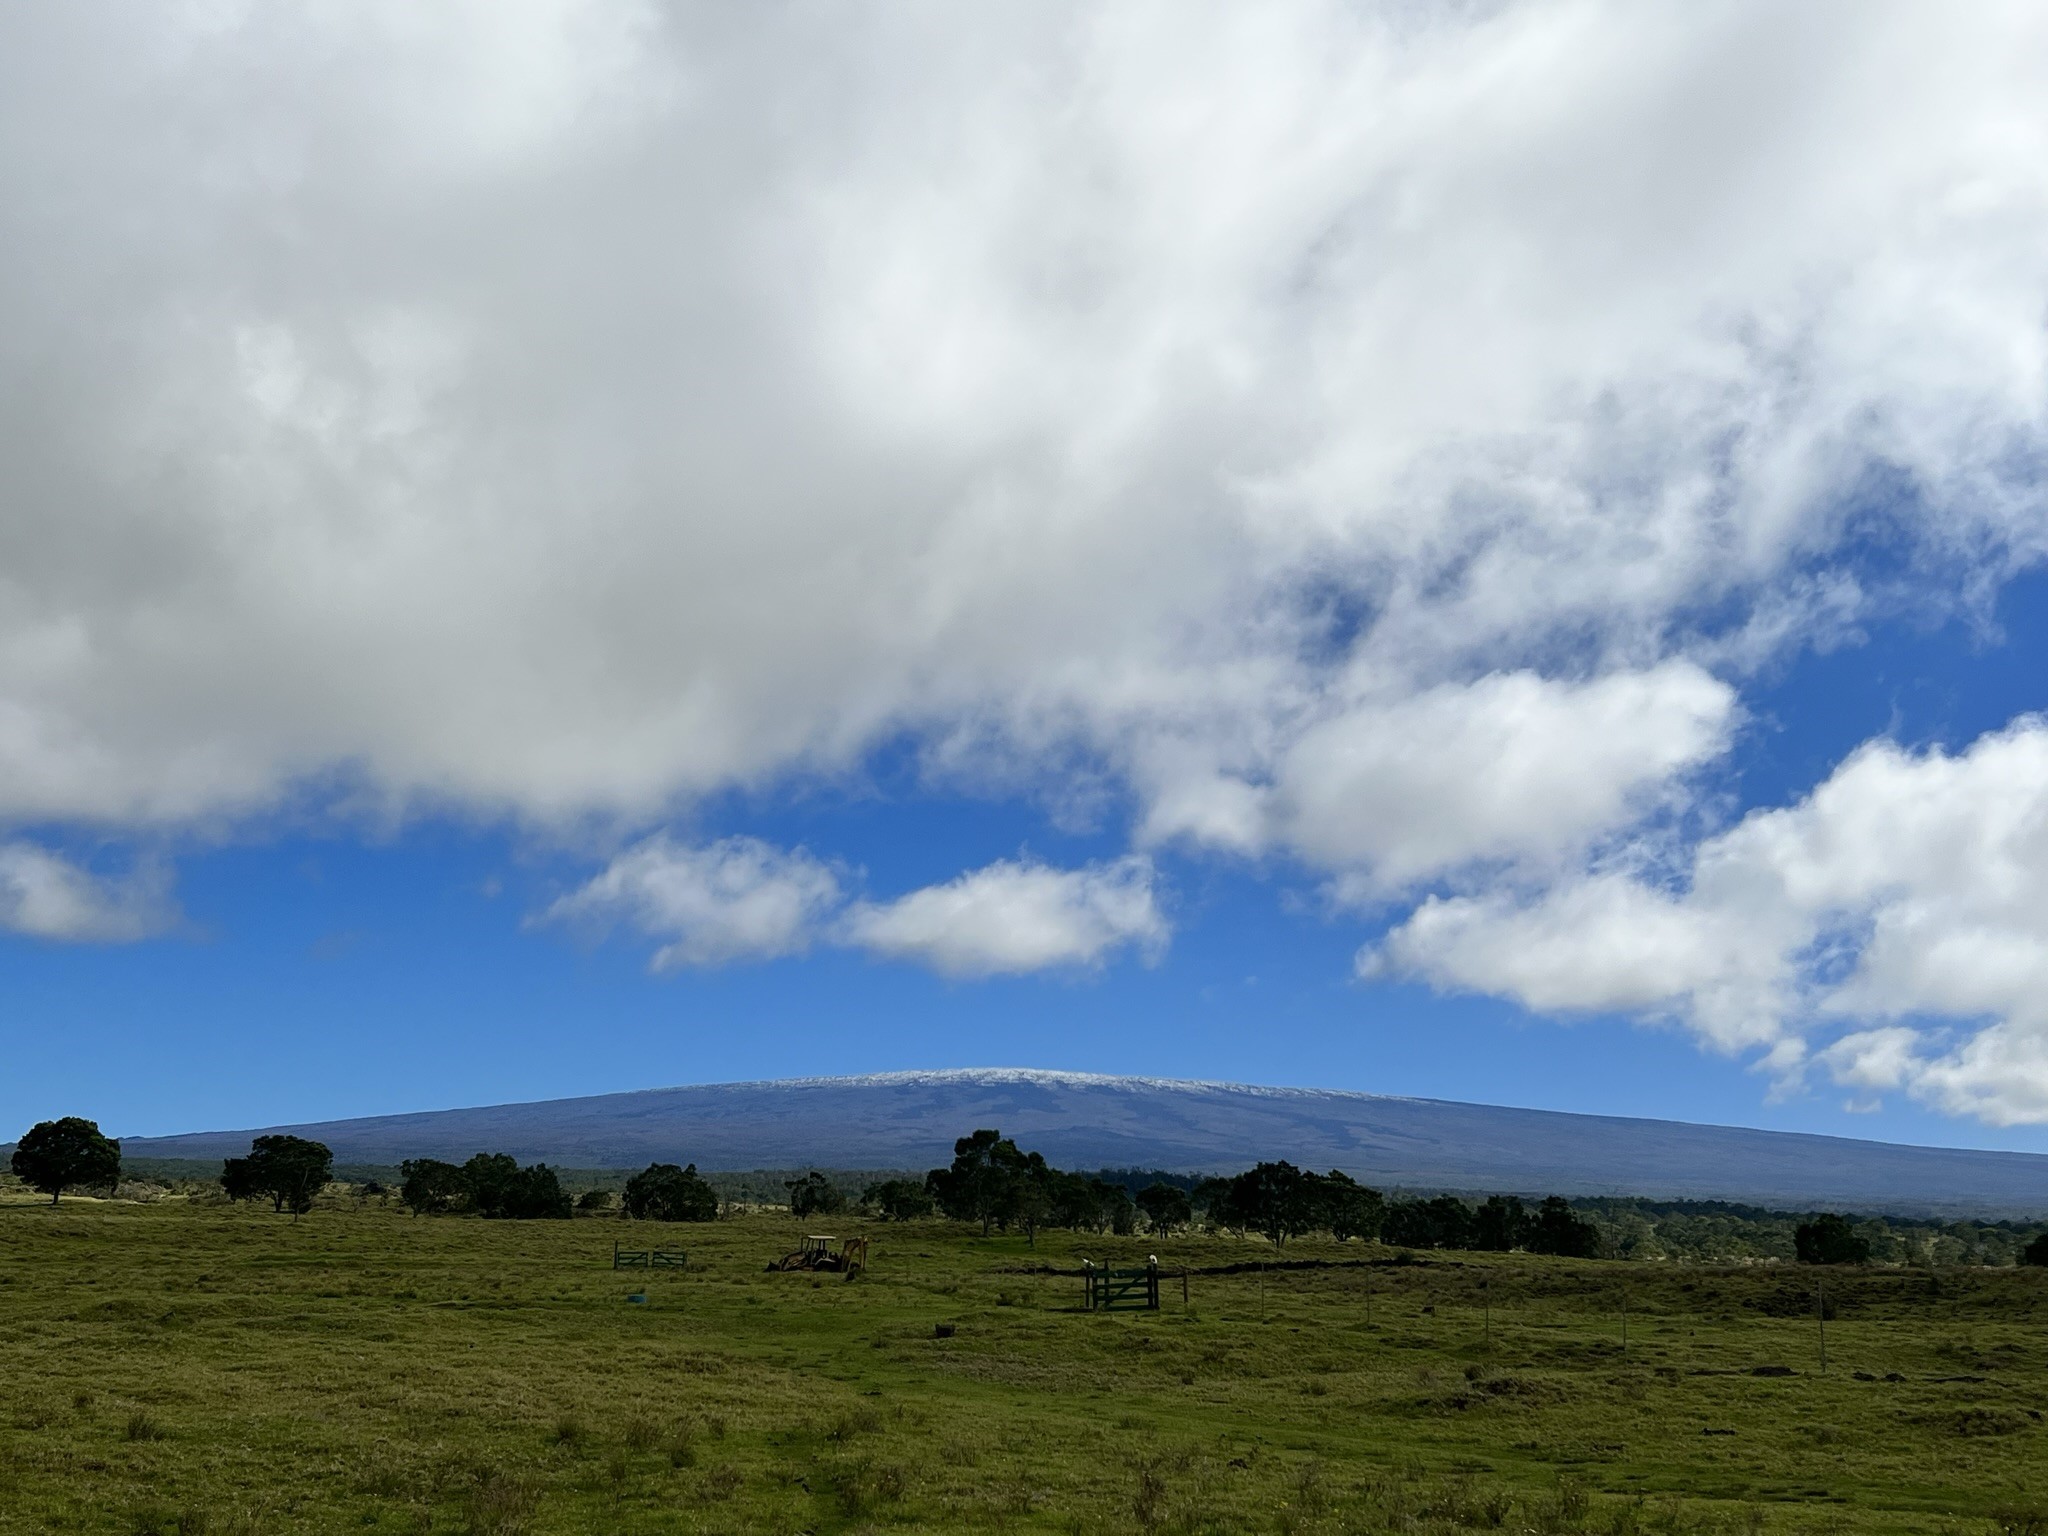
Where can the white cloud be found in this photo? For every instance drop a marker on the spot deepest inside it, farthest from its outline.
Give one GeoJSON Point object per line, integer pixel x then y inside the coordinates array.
{"type": "Point", "coordinates": [48, 897]}
{"type": "Point", "coordinates": [1907, 896]}
{"type": "Point", "coordinates": [1016, 916]}
{"type": "Point", "coordinates": [738, 899]}
{"type": "Point", "coordinates": [545, 410]}
{"type": "Point", "coordinates": [1513, 768]}
{"type": "Point", "coordinates": [741, 899]}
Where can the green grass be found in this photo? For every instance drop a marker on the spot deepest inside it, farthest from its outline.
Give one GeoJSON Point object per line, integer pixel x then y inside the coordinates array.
{"type": "Point", "coordinates": [187, 1369]}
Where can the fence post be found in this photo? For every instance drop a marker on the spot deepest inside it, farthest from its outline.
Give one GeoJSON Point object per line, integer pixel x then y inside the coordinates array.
{"type": "Point", "coordinates": [1820, 1316]}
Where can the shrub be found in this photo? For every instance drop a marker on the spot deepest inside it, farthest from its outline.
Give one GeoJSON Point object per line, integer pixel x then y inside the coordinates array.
{"type": "Point", "coordinates": [499, 1504]}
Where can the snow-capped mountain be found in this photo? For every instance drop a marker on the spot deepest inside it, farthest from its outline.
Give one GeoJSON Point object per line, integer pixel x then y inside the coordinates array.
{"type": "Point", "coordinates": [1082, 1120]}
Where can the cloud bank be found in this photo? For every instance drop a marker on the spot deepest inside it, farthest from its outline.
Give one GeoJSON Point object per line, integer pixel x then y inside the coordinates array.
{"type": "Point", "coordinates": [1381, 439]}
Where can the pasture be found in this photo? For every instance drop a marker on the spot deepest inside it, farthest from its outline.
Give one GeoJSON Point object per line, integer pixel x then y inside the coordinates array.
{"type": "Point", "coordinates": [214, 1371]}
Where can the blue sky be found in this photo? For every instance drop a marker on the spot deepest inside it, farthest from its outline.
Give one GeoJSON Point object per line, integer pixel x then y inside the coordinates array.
{"type": "Point", "coordinates": [318, 976]}
{"type": "Point", "coordinates": [577, 551]}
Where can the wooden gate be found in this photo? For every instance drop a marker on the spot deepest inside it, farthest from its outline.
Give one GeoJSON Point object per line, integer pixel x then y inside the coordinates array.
{"type": "Point", "coordinates": [1120, 1290]}
{"type": "Point", "coordinates": [649, 1258]}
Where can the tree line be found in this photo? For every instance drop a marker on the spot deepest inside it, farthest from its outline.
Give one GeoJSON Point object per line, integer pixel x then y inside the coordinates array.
{"type": "Point", "coordinates": [996, 1185]}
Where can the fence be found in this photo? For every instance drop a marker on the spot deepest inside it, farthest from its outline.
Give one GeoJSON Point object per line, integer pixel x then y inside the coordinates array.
{"type": "Point", "coordinates": [648, 1258]}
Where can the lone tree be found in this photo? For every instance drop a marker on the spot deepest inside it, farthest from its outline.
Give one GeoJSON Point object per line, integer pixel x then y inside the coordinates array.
{"type": "Point", "coordinates": [57, 1155]}
{"type": "Point", "coordinates": [289, 1169]}
{"type": "Point", "coordinates": [664, 1192]}
{"type": "Point", "coordinates": [814, 1195]}
{"type": "Point", "coordinates": [1829, 1239]}
{"type": "Point", "coordinates": [982, 1183]}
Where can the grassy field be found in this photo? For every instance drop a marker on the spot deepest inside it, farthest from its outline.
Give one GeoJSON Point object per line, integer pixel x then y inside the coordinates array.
{"type": "Point", "coordinates": [190, 1369]}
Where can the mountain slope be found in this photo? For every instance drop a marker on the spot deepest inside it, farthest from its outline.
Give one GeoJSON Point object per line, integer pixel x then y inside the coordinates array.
{"type": "Point", "coordinates": [909, 1119]}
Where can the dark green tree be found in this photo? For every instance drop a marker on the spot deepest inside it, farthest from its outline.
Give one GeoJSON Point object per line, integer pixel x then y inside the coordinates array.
{"type": "Point", "coordinates": [1212, 1198]}
{"type": "Point", "coordinates": [534, 1193]}
{"type": "Point", "coordinates": [290, 1170]}
{"type": "Point", "coordinates": [1558, 1229]}
{"type": "Point", "coordinates": [1444, 1222]}
{"type": "Point", "coordinates": [1275, 1199]}
{"type": "Point", "coordinates": [594, 1200]}
{"type": "Point", "coordinates": [1166, 1208]}
{"type": "Point", "coordinates": [431, 1187]}
{"type": "Point", "coordinates": [488, 1182]}
{"type": "Point", "coordinates": [1031, 1203]}
{"type": "Point", "coordinates": [1829, 1239]}
{"type": "Point", "coordinates": [2036, 1252]}
{"type": "Point", "coordinates": [897, 1199]}
{"type": "Point", "coordinates": [1500, 1225]}
{"type": "Point", "coordinates": [1347, 1208]}
{"type": "Point", "coordinates": [982, 1183]}
{"type": "Point", "coordinates": [56, 1155]}
{"type": "Point", "coordinates": [664, 1192]}
{"type": "Point", "coordinates": [814, 1195]}
{"type": "Point", "coordinates": [1076, 1201]}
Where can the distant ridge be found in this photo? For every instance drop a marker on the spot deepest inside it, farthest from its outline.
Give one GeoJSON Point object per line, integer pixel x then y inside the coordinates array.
{"type": "Point", "coordinates": [1083, 1120]}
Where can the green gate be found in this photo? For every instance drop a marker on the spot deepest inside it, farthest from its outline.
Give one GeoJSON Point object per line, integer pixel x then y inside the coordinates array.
{"type": "Point", "coordinates": [1120, 1290]}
